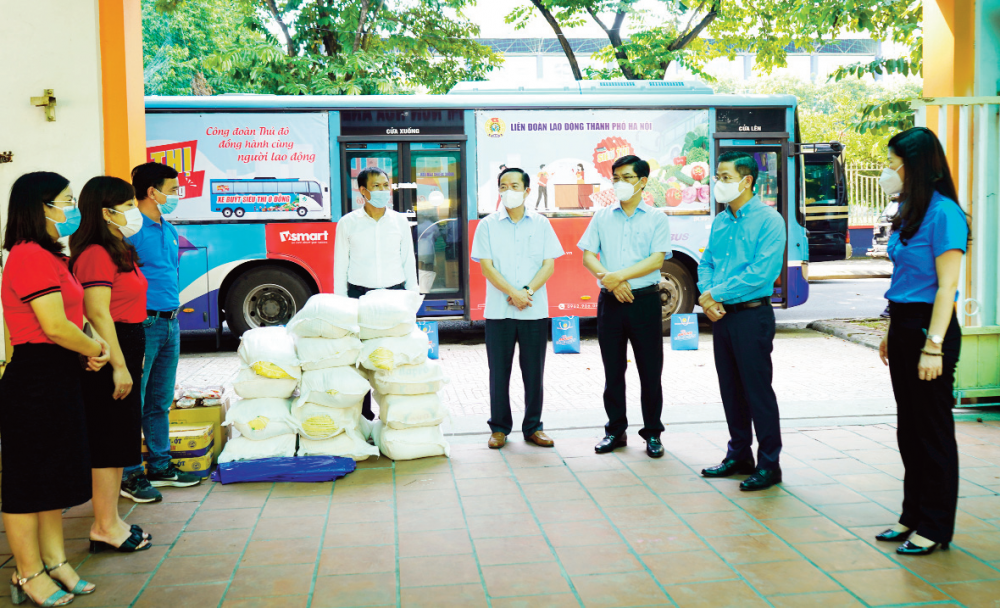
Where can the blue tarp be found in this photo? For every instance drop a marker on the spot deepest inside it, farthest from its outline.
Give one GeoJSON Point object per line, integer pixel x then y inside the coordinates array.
{"type": "Point", "coordinates": [301, 469]}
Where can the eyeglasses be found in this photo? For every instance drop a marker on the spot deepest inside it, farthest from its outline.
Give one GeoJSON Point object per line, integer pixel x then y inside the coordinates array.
{"type": "Point", "coordinates": [628, 178]}
{"type": "Point", "coordinates": [72, 202]}
{"type": "Point", "coordinates": [725, 179]}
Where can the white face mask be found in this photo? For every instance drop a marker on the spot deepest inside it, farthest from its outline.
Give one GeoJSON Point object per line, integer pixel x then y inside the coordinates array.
{"type": "Point", "coordinates": [624, 191]}
{"type": "Point", "coordinates": [890, 181]}
{"type": "Point", "coordinates": [133, 222]}
{"type": "Point", "coordinates": [512, 198]}
{"type": "Point", "coordinates": [727, 192]}
{"type": "Point", "coordinates": [380, 198]}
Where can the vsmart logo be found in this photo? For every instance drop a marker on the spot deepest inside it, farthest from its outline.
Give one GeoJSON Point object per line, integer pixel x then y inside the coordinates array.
{"type": "Point", "coordinates": [287, 236]}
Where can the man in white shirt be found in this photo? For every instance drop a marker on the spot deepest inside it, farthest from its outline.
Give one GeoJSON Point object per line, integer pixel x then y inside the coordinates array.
{"type": "Point", "coordinates": [516, 249]}
{"type": "Point", "coordinates": [374, 247]}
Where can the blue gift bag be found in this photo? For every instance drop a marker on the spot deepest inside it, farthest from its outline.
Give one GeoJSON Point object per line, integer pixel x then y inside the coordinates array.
{"type": "Point", "coordinates": [684, 332]}
{"type": "Point", "coordinates": [431, 329]}
{"type": "Point", "coordinates": [565, 335]}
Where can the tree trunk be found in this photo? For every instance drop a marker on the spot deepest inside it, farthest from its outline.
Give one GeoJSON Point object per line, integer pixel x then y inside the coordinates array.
{"type": "Point", "coordinates": [567, 49]}
{"type": "Point", "coordinates": [684, 40]}
{"type": "Point", "coordinates": [614, 36]}
{"type": "Point", "coordinates": [272, 7]}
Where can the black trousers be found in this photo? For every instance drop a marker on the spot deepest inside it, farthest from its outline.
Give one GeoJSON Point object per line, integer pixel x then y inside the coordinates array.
{"type": "Point", "coordinates": [925, 426]}
{"type": "Point", "coordinates": [743, 341]}
{"type": "Point", "coordinates": [356, 291]}
{"type": "Point", "coordinates": [641, 324]}
{"type": "Point", "coordinates": [531, 336]}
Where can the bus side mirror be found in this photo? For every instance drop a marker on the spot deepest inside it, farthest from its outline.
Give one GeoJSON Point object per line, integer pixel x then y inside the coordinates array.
{"type": "Point", "coordinates": [326, 189]}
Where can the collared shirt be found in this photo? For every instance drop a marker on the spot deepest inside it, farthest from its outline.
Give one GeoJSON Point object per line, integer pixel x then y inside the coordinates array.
{"type": "Point", "coordinates": [159, 254]}
{"type": "Point", "coordinates": [744, 254]}
{"type": "Point", "coordinates": [624, 241]}
{"type": "Point", "coordinates": [373, 254]}
{"type": "Point", "coordinates": [517, 251]}
{"type": "Point", "coordinates": [32, 272]}
{"type": "Point", "coordinates": [914, 268]}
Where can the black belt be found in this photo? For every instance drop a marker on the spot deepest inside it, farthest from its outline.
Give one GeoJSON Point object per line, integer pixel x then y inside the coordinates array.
{"type": "Point", "coordinates": [745, 305]}
{"type": "Point", "coordinates": [639, 292]}
{"type": "Point", "coordinates": [170, 315]}
{"type": "Point", "coordinates": [367, 289]}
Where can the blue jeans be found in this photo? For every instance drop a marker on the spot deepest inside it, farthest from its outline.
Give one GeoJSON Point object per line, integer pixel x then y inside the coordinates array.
{"type": "Point", "coordinates": [163, 350]}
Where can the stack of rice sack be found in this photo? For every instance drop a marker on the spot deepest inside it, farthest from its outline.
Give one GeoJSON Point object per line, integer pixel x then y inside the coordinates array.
{"type": "Point", "coordinates": [269, 373]}
{"type": "Point", "coordinates": [394, 353]}
{"type": "Point", "coordinates": [327, 411]}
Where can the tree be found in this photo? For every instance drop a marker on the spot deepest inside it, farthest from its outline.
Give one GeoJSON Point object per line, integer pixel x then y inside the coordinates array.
{"type": "Point", "coordinates": [179, 38]}
{"type": "Point", "coordinates": [333, 47]}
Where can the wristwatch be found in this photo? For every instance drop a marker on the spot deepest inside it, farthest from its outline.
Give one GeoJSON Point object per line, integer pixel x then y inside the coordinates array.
{"type": "Point", "coordinates": [531, 292]}
{"type": "Point", "coordinates": [936, 340]}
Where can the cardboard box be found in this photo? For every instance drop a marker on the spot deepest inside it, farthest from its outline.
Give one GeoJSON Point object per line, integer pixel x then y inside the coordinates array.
{"type": "Point", "coordinates": [199, 465]}
{"type": "Point", "coordinates": [213, 415]}
{"type": "Point", "coordinates": [188, 440]}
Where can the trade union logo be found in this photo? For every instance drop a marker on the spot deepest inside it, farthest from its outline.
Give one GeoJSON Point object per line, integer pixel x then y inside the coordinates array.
{"type": "Point", "coordinates": [303, 237]}
{"type": "Point", "coordinates": [495, 127]}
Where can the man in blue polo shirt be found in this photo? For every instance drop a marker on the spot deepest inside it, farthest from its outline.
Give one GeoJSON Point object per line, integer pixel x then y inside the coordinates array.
{"type": "Point", "coordinates": [516, 249]}
{"type": "Point", "coordinates": [632, 240]}
{"type": "Point", "coordinates": [736, 279]}
{"type": "Point", "coordinates": [157, 245]}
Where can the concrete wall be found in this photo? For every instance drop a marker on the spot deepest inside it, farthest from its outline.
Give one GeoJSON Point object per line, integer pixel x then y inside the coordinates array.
{"type": "Point", "coordinates": [987, 48]}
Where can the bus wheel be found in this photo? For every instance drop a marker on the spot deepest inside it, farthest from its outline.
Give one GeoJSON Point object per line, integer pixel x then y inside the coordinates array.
{"type": "Point", "coordinates": [227, 212]}
{"type": "Point", "coordinates": [239, 212]}
{"type": "Point", "coordinates": [677, 291]}
{"type": "Point", "coordinates": [264, 296]}
{"type": "Point", "coordinates": [302, 211]}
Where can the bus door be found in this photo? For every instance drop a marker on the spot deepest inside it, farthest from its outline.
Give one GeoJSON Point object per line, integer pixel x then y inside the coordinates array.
{"type": "Point", "coordinates": [823, 198]}
{"type": "Point", "coordinates": [429, 188]}
{"type": "Point", "coordinates": [770, 152]}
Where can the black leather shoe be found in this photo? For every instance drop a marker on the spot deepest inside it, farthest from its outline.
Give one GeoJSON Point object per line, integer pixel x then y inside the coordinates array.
{"type": "Point", "coordinates": [654, 448]}
{"type": "Point", "coordinates": [891, 535]}
{"type": "Point", "coordinates": [909, 548]}
{"type": "Point", "coordinates": [609, 443]}
{"type": "Point", "coordinates": [729, 467]}
{"type": "Point", "coordinates": [761, 479]}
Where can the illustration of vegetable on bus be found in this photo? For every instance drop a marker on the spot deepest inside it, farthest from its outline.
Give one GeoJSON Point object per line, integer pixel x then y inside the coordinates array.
{"type": "Point", "coordinates": [265, 194]}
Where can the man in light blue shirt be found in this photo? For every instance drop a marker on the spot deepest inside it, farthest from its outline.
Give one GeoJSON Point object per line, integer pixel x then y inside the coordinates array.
{"type": "Point", "coordinates": [736, 278]}
{"type": "Point", "coordinates": [516, 249]}
{"type": "Point", "coordinates": [632, 240]}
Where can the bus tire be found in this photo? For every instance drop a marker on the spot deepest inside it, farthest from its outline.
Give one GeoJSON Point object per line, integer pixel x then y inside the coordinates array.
{"type": "Point", "coordinates": [302, 211]}
{"type": "Point", "coordinates": [677, 291]}
{"type": "Point", "coordinates": [239, 212]}
{"type": "Point", "coordinates": [227, 212]}
{"type": "Point", "coordinates": [267, 295]}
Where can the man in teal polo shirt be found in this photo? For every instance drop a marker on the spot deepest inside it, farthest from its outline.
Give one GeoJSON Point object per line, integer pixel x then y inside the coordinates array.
{"type": "Point", "coordinates": [157, 245]}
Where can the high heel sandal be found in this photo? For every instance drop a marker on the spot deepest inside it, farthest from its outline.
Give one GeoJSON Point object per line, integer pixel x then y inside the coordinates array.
{"type": "Point", "coordinates": [81, 585]}
{"type": "Point", "coordinates": [144, 534]}
{"type": "Point", "coordinates": [131, 544]}
{"type": "Point", "coordinates": [891, 535]}
{"type": "Point", "coordinates": [909, 548]}
{"type": "Point", "coordinates": [18, 595]}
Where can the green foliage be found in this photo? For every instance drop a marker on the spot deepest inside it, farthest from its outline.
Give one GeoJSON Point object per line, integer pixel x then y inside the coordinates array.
{"type": "Point", "coordinates": [321, 47]}
{"type": "Point", "coordinates": [829, 111]}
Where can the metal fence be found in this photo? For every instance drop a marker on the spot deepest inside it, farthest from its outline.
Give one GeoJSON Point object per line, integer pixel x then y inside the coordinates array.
{"type": "Point", "coordinates": [866, 199]}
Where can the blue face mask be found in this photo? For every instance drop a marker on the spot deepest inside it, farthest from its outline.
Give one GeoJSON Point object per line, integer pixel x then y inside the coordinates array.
{"type": "Point", "coordinates": [70, 224]}
{"type": "Point", "coordinates": [171, 203]}
{"type": "Point", "coordinates": [380, 198]}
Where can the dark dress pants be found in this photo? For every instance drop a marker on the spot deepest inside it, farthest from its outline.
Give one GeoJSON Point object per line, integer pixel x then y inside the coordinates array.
{"type": "Point", "coordinates": [743, 341]}
{"type": "Point", "coordinates": [640, 323]}
{"type": "Point", "coordinates": [531, 337]}
{"type": "Point", "coordinates": [356, 291]}
{"type": "Point", "coordinates": [925, 427]}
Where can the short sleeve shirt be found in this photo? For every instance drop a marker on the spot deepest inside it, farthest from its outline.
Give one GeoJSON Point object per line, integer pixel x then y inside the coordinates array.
{"type": "Point", "coordinates": [157, 246]}
{"type": "Point", "coordinates": [30, 273]}
{"type": "Point", "coordinates": [95, 268]}
{"type": "Point", "coordinates": [624, 241]}
{"type": "Point", "coordinates": [517, 251]}
{"type": "Point", "coordinates": [914, 270]}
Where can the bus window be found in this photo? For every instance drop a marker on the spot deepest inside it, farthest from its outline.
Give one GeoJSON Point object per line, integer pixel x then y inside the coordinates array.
{"type": "Point", "coordinates": [270, 187]}
{"type": "Point", "coordinates": [768, 179]}
{"type": "Point", "coordinates": [313, 187]}
{"type": "Point", "coordinates": [255, 187]}
{"type": "Point", "coordinates": [240, 187]}
{"type": "Point", "coordinates": [298, 187]}
{"type": "Point", "coordinates": [438, 234]}
{"type": "Point", "coordinates": [358, 159]}
{"type": "Point", "coordinates": [821, 184]}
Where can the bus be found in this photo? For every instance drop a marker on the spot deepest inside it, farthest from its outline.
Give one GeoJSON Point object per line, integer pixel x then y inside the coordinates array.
{"type": "Point", "coordinates": [256, 264]}
{"type": "Point", "coordinates": [263, 194]}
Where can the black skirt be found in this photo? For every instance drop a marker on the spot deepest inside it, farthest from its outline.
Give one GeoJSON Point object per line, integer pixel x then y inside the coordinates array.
{"type": "Point", "coordinates": [114, 426]}
{"type": "Point", "coordinates": [43, 432]}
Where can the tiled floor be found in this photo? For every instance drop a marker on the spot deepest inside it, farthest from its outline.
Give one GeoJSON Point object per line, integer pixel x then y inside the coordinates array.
{"type": "Point", "coordinates": [533, 527]}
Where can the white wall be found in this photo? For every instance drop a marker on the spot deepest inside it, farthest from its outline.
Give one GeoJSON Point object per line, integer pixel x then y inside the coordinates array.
{"type": "Point", "coordinates": [50, 44]}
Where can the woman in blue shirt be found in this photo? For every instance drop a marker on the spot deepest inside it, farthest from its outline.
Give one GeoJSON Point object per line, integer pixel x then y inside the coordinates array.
{"type": "Point", "coordinates": [921, 347]}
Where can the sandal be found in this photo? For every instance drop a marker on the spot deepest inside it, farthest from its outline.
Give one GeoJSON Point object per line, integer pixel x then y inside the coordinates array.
{"type": "Point", "coordinates": [145, 535]}
{"type": "Point", "coordinates": [18, 595]}
{"type": "Point", "coordinates": [81, 585]}
{"type": "Point", "coordinates": [131, 545]}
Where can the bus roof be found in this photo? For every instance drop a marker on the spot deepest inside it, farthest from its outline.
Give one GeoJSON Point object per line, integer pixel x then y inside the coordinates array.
{"type": "Point", "coordinates": [484, 95]}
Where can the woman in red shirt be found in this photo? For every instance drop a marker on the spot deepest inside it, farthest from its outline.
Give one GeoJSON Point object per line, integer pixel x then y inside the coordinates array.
{"type": "Point", "coordinates": [45, 456]}
{"type": "Point", "coordinates": [114, 296]}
